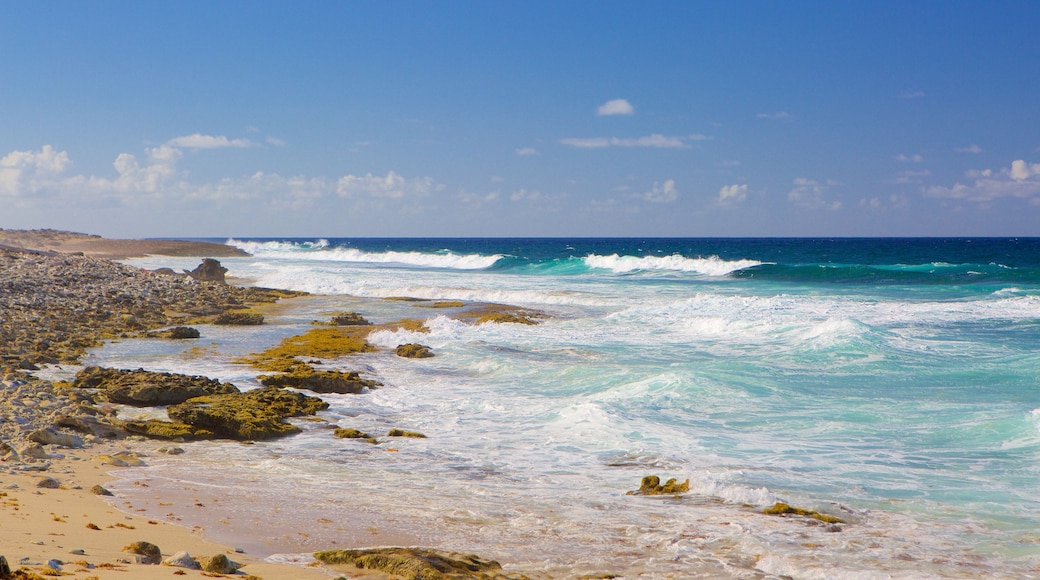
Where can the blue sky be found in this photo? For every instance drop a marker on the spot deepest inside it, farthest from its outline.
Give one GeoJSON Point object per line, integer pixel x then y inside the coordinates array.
{"type": "Point", "coordinates": [597, 118]}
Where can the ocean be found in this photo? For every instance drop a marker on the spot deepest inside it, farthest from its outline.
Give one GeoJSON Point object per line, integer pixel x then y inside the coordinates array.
{"type": "Point", "coordinates": [892, 383]}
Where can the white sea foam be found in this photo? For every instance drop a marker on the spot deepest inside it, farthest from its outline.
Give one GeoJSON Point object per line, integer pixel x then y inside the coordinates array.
{"type": "Point", "coordinates": [711, 266]}
{"type": "Point", "coordinates": [321, 251]}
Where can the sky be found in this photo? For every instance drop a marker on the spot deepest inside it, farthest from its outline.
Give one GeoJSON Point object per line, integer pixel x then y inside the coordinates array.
{"type": "Point", "coordinates": [520, 118]}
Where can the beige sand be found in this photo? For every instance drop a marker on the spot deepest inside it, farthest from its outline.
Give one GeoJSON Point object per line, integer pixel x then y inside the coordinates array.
{"type": "Point", "coordinates": [42, 524]}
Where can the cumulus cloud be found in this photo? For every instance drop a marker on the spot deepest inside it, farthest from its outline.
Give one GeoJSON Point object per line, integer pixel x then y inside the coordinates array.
{"type": "Point", "coordinates": [156, 177]}
{"type": "Point", "coordinates": [199, 141]}
{"type": "Point", "coordinates": [812, 194]}
{"type": "Point", "coordinates": [23, 172]}
{"type": "Point", "coordinates": [616, 107]}
{"type": "Point", "coordinates": [661, 192]}
{"type": "Point", "coordinates": [777, 116]}
{"type": "Point", "coordinates": [275, 141]}
{"type": "Point", "coordinates": [732, 194]}
{"type": "Point", "coordinates": [1021, 180]}
{"type": "Point", "coordinates": [655, 140]}
{"type": "Point", "coordinates": [525, 195]}
{"type": "Point", "coordinates": [526, 151]}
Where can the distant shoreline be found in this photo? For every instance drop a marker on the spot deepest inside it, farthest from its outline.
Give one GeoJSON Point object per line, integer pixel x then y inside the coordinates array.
{"type": "Point", "coordinates": [112, 249]}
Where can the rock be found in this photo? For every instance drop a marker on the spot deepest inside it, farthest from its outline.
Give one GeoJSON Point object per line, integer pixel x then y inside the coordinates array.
{"type": "Point", "coordinates": [51, 436]}
{"type": "Point", "coordinates": [780, 509]}
{"type": "Point", "coordinates": [253, 415]}
{"type": "Point", "coordinates": [182, 332]}
{"type": "Point", "coordinates": [90, 425]}
{"type": "Point", "coordinates": [320, 381]}
{"type": "Point", "coordinates": [413, 350]}
{"type": "Point", "coordinates": [182, 559]}
{"type": "Point", "coordinates": [98, 490]}
{"type": "Point", "coordinates": [55, 565]}
{"type": "Point", "coordinates": [240, 319]}
{"type": "Point", "coordinates": [354, 434]}
{"type": "Point", "coordinates": [417, 563]}
{"type": "Point", "coordinates": [219, 564]}
{"type": "Point", "coordinates": [349, 319]}
{"type": "Point", "coordinates": [120, 459]}
{"type": "Point", "coordinates": [150, 553]}
{"type": "Point", "coordinates": [32, 451]}
{"type": "Point", "coordinates": [209, 270]}
{"type": "Point", "coordinates": [146, 388]}
{"type": "Point", "coordinates": [651, 485]}
{"type": "Point", "coordinates": [403, 433]}
{"type": "Point", "coordinates": [48, 483]}
{"type": "Point", "coordinates": [5, 568]}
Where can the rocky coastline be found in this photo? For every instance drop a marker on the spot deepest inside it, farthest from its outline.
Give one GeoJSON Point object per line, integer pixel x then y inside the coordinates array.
{"type": "Point", "coordinates": [56, 305]}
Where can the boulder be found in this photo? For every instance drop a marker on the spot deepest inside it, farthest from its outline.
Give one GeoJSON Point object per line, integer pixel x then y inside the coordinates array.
{"type": "Point", "coordinates": [651, 485]}
{"type": "Point", "coordinates": [349, 319]}
{"type": "Point", "coordinates": [51, 436]}
{"type": "Point", "coordinates": [146, 388]}
{"type": "Point", "coordinates": [349, 433]}
{"type": "Point", "coordinates": [150, 553]}
{"type": "Point", "coordinates": [219, 564]}
{"type": "Point", "coordinates": [209, 270]}
{"type": "Point", "coordinates": [253, 415]}
{"type": "Point", "coordinates": [417, 563]}
{"type": "Point", "coordinates": [413, 350]}
{"type": "Point", "coordinates": [338, 382]}
{"type": "Point", "coordinates": [181, 333]}
{"type": "Point", "coordinates": [182, 559]}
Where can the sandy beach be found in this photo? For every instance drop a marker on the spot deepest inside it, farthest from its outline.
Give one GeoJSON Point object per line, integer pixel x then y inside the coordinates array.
{"type": "Point", "coordinates": [52, 521]}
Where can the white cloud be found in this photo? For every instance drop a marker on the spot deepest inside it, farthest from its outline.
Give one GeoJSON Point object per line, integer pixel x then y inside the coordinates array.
{"type": "Point", "coordinates": [393, 186]}
{"type": "Point", "coordinates": [524, 195]}
{"type": "Point", "coordinates": [23, 172]}
{"type": "Point", "coordinates": [275, 141]}
{"type": "Point", "coordinates": [903, 158]}
{"type": "Point", "coordinates": [661, 192]}
{"type": "Point", "coordinates": [526, 151]}
{"type": "Point", "coordinates": [655, 140]}
{"type": "Point", "coordinates": [811, 194]}
{"type": "Point", "coordinates": [973, 148]}
{"type": "Point", "coordinates": [1021, 180]}
{"type": "Point", "coordinates": [777, 116]}
{"type": "Point", "coordinates": [733, 194]}
{"type": "Point", "coordinates": [616, 107]}
{"type": "Point", "coordinates": [903, 177]}
{"type": "Point", "coordinates": [878, 204]}
{"type": "Point", "coordinates": [199, 141]}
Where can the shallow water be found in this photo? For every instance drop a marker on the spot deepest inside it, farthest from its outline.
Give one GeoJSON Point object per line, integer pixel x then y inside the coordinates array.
{"type": "Point", "coordinates": [891, 383]}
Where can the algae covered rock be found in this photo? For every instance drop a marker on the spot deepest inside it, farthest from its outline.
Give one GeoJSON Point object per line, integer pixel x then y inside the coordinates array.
{"type": "Point", "coordinates": [416, 563]}
{"type": "Point", "coordinates": [240, 319]}
{"type": "Point", "coordinates": [150, 553]}
{"type": "Point", "coordinates": [338, 382]}
{"type": "Point", "coordinates": [413, 350]}
{"type": "Point", "coordinates": [181, 333]}
{"type": "Point", "coordinates": [353, 434]}
{"type": "Point", "coordinates": [651, 485]}
{"type": "Point", "coordinates": [256, 414]}
{"type": "Point", "coordinates": [219, 564]}
{"type": "Point", "coordinates": [143, 388]}
{"type": "Point", "coordinates": [176, 431]}
{"type": "Point", "coordinates": [780, 509]}
{"type": "Point", "coordinates": [349, 319]}
{"type": "Point", "coordinates": [403, 433]}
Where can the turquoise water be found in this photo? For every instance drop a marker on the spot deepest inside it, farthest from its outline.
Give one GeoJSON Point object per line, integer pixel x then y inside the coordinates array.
{"type": "Point", "coordinates": [890, 382]}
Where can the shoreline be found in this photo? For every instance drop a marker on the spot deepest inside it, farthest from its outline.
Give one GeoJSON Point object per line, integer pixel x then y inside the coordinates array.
{"type": "Point", "coordinates": [50, 516]}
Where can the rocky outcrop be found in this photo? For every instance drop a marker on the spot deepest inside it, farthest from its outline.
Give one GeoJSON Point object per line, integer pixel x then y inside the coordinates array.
{"type": "Point", "coordinates": [651, 485]}
{"type": "Point", "coordinates": [240, 319]}
{"type": "Point", "coordinates": [418, 563]}
{"type": "Point", "coordinates": [143, 388]}
{"type": "Point", "coordinates": [413, 350]}
{"type": "Point", "coordinates": [348, 319]}
{"type": "Point", "coordinates": [148, 553]}
{"type": "Point", "coordinates": [338, 382]}
{"type": "Point", "coordinates": [253, 415]}
{"type": "Point", "coordinates": [209, 270]}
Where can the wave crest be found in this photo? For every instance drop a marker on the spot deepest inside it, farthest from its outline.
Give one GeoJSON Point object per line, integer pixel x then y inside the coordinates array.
{"type": "Point", "coordinates": [710, 266]}
{"type": "Point", "coordinates": [322, 251]}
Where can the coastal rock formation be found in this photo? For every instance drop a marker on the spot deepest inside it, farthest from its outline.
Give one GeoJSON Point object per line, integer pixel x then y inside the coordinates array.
{"type": "Point", "coordinates": [338, 382]}
{"type": "Point", "coordinates": [354, 434]}
{"type": "Point", "coordinates": [240, 319]}
{"type": "Point", "coordinates": [253, 415]}
{"type": "Point", "coordinates": [651, 485]}
{"type": "Point", "coordinates": [403, 433]}
{"type": "Point", "coordinates": [209, 270]}
{"type": "Point", "coordinates": [349, 319]}
{"type": "Point", "coordinates": [143, 388]}
{"type": "Point", "coordinates": [418, 563]}
{"type": "Point", "coordinates": [413, 350]}
{"type": "Point", "coordinates": [783, 509]}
